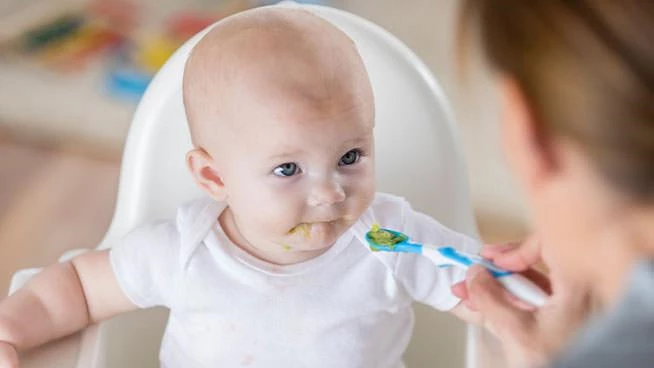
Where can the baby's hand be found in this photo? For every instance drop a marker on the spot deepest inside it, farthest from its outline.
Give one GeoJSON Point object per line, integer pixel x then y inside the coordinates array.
{"type": "Point", "coordinates": [8, 356]}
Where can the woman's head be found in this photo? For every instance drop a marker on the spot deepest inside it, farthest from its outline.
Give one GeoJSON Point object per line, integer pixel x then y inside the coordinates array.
{"type": "Point", "coordinates": [578, 88]}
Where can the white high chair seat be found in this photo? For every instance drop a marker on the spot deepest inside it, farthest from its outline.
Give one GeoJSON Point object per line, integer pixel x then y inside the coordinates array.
{"type": "Point", "coordinates": [418, 157]}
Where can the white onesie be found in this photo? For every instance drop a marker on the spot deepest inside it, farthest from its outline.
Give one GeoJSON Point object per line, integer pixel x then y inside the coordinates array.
{"type": "Point", "coordinates": [347, 308]}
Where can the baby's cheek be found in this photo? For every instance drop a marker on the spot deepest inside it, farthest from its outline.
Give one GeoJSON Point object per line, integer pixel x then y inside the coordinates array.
{"type": "Point", "coordinates": [262, 199]}
{"type": "Point", "coordinates": [361, 181]}
{"type": "Point", "coordinates": [276, 213]}
{"type": "Point", "coordinates": [362, 195]}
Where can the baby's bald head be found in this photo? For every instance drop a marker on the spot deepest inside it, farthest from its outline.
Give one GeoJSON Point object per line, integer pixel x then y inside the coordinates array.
{"type": "Point", "coordinates": [274, 59]}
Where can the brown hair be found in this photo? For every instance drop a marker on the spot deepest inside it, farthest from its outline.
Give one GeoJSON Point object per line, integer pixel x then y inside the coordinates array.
{"type": "Point", "coordinates": [586, 68]}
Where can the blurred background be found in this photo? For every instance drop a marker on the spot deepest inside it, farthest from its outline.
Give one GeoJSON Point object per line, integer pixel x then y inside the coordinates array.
{"type": "Point", "coordinates": [72, 72]}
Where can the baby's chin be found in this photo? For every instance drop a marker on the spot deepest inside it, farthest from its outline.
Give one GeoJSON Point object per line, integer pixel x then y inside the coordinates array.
{"type": "Point", "coordinates": [313, 247]}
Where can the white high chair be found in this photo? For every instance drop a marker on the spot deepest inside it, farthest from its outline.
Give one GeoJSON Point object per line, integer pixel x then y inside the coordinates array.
{"type": "Point", "coordinates": [418, 155]}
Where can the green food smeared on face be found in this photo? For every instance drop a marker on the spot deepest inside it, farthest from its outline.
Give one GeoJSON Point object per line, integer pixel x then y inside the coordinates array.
{"type": "Point", "coordinates": [384, 237]}
{"type": "Point", "coordinates": [286, 247]}
{"type": "Point", "coordinates": [305, 229]}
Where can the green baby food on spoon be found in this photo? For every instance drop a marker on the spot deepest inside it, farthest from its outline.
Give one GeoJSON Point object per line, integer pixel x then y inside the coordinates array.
{"type": "Point", "coordinates": [384, 237]}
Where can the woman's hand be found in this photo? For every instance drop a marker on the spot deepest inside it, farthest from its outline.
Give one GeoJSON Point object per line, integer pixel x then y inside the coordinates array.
{"type": "Point", "coordinates": [8, 356]}
{"type": "Point", "coordinates": [529, 336]}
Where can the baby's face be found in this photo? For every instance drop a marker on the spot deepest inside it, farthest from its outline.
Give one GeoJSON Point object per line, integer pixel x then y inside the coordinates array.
{"type": "Point", "coordinates": [283, 121]}
{"type": "Point", "coordinates": [296, 175]}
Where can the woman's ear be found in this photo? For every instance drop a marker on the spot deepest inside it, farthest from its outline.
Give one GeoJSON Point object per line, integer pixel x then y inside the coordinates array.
{"type": "Point", "coordinates": [527, 147]}
{"type": "Point", "coordinates": [206, 177]}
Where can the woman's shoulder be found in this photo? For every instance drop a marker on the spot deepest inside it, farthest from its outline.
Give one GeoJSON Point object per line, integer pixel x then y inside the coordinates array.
{"type": "Point", "coordinates": [622, 337]}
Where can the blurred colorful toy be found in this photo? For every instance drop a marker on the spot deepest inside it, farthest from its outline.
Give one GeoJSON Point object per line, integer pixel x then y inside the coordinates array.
{"type": "Point", "coordinates": [69, 41]}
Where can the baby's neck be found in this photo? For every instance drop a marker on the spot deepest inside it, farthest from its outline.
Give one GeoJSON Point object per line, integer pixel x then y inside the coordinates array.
{"type": "Point", "coordinates": [281, 257]}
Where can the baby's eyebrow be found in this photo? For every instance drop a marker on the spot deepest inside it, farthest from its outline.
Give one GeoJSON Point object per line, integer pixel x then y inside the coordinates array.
{"type": "Point", "coordinates": [358, 140]}
{"type": "Point", "coordinates": [286, 155]}
{"type": "Point", "coordinates": [355, 141]}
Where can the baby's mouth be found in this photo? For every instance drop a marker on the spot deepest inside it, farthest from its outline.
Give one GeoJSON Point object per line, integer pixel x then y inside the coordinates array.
{"type": "Point", "coordinates": [304, 229]}
{"type": "Point", "coordinates": [307, 228]}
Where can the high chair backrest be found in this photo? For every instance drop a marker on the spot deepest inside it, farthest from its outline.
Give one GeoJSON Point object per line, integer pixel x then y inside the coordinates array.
{"type": "Point", "coordinates": [418, 152]}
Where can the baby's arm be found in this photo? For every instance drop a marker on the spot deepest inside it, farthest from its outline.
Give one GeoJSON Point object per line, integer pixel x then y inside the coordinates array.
{"type": "Point", "coordinates": [64, 298]}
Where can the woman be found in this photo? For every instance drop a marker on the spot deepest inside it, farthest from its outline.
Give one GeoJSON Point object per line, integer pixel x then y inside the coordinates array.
{"type": "Point", "coordinates": [577, 81]}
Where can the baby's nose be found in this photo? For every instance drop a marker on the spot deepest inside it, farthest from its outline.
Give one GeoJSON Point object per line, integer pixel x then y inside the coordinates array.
{"type": "Point", "coordinates": [326, 193]}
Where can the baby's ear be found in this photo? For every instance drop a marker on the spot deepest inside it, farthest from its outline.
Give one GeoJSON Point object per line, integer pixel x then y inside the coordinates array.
{"type": "Point", "coordinates": [206, 177]}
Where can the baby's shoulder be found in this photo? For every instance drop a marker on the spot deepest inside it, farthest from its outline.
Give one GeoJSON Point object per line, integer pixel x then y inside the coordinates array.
{"type": "Point", "coordinates": [197, 212]}
{"type": "Point", "coordinates": [388, 209]}
{"type": "Point", "coordinates": [388, 202]}
{"type": "Point", "coordinates": [192, 221]}
{"type": "Point", "coordinates": [394, 212]}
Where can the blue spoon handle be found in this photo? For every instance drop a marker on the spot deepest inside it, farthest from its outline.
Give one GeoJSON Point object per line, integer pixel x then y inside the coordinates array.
{"type": "Point", "coordinates": [518, 285]}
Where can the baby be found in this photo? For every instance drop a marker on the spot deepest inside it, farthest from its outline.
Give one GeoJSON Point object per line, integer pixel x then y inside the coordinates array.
{"type": "Point", "coordinates": [272, 269]}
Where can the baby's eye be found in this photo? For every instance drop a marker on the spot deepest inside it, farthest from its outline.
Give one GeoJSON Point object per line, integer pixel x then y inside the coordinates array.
{"type": "Point", "coordinates": [287, 169]}
{"type": "Point", "coordinates": [350, 158]}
